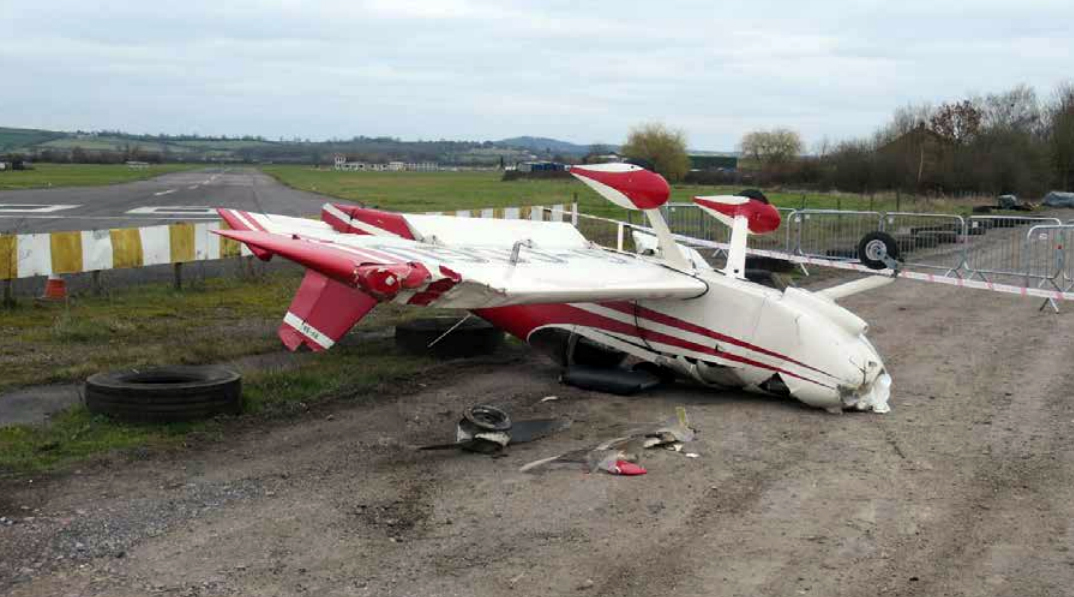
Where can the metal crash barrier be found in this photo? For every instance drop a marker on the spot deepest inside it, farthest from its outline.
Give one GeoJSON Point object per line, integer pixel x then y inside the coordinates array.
{"type": "Point", "coordinates": [1029, 256]}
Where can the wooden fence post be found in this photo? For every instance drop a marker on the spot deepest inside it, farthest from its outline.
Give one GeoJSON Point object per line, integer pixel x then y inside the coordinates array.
{"type": "Point", "coordinates": [178, 271]}
{"type": "Point", "coordinates": [95, 282]}
{"type": "Point", "coordinates": [9, 294]}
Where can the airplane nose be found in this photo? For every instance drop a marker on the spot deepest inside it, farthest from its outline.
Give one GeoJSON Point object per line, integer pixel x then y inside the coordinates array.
{"type": "Point", "coordinates": [869, 396]}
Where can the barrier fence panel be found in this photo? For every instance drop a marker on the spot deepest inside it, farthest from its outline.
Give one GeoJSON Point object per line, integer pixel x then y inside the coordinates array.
{"type": "Point", "coordinates": [995, 246]}
{"type": "Point", "coordinates": [832, 234]}
{"type": "Point", "coordinates": [928, 241]}
{"type": "Point", "coordinates": [1047, 257]}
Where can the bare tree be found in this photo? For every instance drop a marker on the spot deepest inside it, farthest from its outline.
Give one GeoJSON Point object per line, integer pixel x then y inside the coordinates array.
{"type": "Point", "coordinates": [773, 148]}
{"type": "Point", "coordinates": [662, 147]}
{"type": "Point", "coordinates": [956, 122]}
{"type": "Point", "coordinates": [1060, 127]}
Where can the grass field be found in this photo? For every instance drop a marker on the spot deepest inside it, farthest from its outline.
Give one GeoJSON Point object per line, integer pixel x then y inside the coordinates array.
{"type": "Point", "coordinates": [82, 175]}
{"type": "Point", "coordinates": [218, 320]}
{"type": "Point", "coordinates": [438, 191]}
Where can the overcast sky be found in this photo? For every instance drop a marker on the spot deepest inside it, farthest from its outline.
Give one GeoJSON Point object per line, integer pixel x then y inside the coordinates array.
{"type": "Point", "coordinates": [463, 69]}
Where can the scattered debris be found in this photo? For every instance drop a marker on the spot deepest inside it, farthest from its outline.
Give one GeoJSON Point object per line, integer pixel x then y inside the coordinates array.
{"type": "Point", "coordinates": [549, 398]}
{"type": "Point", "coordinates": [487, 430]}
{"type": "Point", "coordinates": [620, 456]}
{"type": "Point", "coordinates": [612, 381]}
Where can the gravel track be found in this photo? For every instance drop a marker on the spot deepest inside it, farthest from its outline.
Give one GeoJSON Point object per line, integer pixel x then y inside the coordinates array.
{"type": "Point", "coordinates": [965, 488]}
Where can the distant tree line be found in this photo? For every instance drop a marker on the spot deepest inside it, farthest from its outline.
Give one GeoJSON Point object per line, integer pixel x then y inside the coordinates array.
{"type": "Point", "coordinates": [1010, 142]}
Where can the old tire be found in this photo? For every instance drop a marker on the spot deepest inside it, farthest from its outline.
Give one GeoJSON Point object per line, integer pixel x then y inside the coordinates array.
{"type": "Point", "coordinates": [165, 394]}
{"type": "Point", "coordinates": [876, 245]}
{"type": "Point", "coordinates": [473, 338]}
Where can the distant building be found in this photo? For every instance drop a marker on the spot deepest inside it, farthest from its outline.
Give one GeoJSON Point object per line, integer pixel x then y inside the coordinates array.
{"type": "Point", "coordinates": [3, 166]}
{"type": "Point", "coordinates": [341, 163]}
{"type": "Point", "coordinates": [603, 158]}
{"type": "Point", "coordinates": [713, 162]}
{"type": "Point", "coordinates": [136, 165]}
{"type": "Point", "coordinates": [541, 167]}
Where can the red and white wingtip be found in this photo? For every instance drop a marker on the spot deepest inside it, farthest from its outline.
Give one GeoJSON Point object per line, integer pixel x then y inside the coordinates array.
{"type": "Point", "coordinates": [761, 217]}
{"type": "Point", "coordinates": [626, 185]}
{"type": "Point", "coordinates": [353, 219]}
{"type": "Point", "coordinates": [242, 221]}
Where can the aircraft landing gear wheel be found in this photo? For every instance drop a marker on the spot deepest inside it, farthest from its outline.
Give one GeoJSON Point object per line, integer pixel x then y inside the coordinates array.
{"type": "Point", "coordinates": [878, 250]}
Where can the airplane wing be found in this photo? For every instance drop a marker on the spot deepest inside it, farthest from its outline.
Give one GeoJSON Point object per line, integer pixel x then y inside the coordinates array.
{"type": "Point", "coordinates": [442, 261]}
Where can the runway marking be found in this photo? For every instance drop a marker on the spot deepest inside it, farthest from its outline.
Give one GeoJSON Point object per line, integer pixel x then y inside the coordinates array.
{"type": "Point", "coordinates": [193, 187]}
{"type": "Point", "coordinates": [168, 192]}
{"type": "Point", "coordinates": [175, 210]}
{"type": "Point", "coordinates": [32, 208]}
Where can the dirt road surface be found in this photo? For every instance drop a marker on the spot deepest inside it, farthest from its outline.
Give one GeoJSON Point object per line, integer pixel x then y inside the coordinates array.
{"type": "Point", "coordinates": [965, 488]}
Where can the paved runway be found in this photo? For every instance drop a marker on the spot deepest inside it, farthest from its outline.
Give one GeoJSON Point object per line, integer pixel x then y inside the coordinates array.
{"type": "Point", "coordinates": [182, 196]}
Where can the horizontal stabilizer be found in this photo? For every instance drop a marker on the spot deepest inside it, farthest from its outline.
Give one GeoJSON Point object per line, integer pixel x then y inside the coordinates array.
{"type": "Point", "coordinates": [328, 259]}
{"type": "Point", "coordinates": [857, 286]}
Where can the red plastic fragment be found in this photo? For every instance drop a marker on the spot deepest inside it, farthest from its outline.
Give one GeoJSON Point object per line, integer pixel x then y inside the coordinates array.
{"type": "Point", "coordinates": [628, 469]}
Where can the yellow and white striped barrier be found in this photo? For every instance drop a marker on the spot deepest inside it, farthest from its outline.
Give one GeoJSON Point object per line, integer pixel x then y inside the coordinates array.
{"type": "Point", "coordinates": [54, 253]}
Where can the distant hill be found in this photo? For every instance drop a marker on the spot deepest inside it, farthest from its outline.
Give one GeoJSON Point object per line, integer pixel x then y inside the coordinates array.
{"type": "Point", "coordinates": [544, 145]}
{"type": "Point", "coordinates": [117, 146]}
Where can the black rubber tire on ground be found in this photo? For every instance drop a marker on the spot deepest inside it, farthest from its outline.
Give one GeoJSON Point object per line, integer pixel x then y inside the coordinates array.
{"type": "Point", "coordinates": [473, 338]}
{"type": "Point", "coordinates": [165, 394]}
{"type": "Point", "coordinates": [872, 244]}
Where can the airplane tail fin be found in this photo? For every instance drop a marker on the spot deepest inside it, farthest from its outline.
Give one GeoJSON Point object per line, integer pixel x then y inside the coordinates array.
{"type": "Point", "coordinates": [746, 214]}
{"type": "Point", "coordinates": [342, 284]}
{"type": "Point", "coordinates": [322, 312]}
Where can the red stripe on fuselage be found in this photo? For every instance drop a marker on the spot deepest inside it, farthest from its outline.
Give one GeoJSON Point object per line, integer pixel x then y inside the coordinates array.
{"type": "Point", "coordinates": [522, 320]}
{"type": "Point", "coordinates": [668, 320]}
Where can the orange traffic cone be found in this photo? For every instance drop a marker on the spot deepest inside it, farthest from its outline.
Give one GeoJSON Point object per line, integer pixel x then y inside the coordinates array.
{"type": "Point", "coordinates": [55, 289]}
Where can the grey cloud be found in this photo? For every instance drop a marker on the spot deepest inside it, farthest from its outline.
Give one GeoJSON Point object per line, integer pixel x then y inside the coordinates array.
{"type": "Point", "coordinates": [468, 69]}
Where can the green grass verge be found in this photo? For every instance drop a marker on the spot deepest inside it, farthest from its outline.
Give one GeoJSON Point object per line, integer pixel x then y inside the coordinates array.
{"type": "Point", "coordinates": [76, 435]}
{"type": "Point", "coordinates": [213, 321]}
{"type": "Point", "coordinates": [82, 175]}
{"type": "Point", "coordinates": [442, 191]}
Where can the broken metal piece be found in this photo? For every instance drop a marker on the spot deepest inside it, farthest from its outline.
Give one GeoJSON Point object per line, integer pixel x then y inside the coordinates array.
{"type": "Point", "coordinates": [487, 429]}
{"type": "Point", "coordinates": [609, 455]}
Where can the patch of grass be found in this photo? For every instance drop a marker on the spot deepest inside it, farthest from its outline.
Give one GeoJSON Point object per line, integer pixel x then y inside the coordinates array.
{"type": "Point", "coordinates": [345, 370]}
{"type": "Point", "coordinates": [82, 175]}
{"type": "Point", "coordinates": [77, 435]}
{"type": "Point", "coordinates": [440, 191]}
{"type": "Point", "coordinates": [445, 191]}
{"type": "Point", "coordinates": [216, 320]}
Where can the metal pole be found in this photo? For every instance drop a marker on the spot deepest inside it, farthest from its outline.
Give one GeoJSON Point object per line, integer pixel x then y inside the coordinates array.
{"type": "Point", "coordinates": [178, 271]}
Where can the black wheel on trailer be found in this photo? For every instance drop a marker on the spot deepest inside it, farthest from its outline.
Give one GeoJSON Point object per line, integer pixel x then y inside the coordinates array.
{"type": "Point", "coordinates": [165, 394]}
{"type": "Point", "coordinates": [874, 247]}
{"type": "Point", "coordinates": [753, 194]}
{"type": "Point", "coordinates": [473, 337]}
